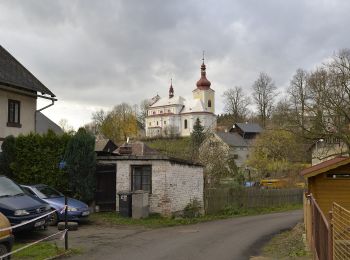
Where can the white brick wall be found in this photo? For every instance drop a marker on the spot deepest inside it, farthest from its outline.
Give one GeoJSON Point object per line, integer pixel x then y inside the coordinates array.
{"type": "Point", "coordinates": [174, 185]}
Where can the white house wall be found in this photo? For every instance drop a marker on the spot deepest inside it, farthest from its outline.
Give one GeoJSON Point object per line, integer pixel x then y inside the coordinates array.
{"type": "Point", "coordinates": [27, 114]}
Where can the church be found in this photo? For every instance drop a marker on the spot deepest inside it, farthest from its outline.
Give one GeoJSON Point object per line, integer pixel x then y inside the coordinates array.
{"type": "Point", "coordinates": [175, 116]}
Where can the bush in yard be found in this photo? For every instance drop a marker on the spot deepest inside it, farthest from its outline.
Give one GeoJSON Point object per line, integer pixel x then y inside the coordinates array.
{"type": "Point", "coordinates": [80, 164]}
{"type": "Point", "coordinates": [8, 155]}
{"type": "Point", "coordinates": [37, 158]}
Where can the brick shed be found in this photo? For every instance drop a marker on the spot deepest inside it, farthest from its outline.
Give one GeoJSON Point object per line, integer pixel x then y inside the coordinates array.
{"type": "Point", "coordinates": [172, 183]}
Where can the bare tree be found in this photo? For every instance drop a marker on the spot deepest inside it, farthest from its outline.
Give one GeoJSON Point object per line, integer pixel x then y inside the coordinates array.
{"type": "Point", "coordinates": [65, 126]}
{"type": "Point", "coordinates": [299, 96]}
{"type": "Point", "coordinates": [264, 93]}
{"type": "Point", "coordinates": [142, 112]}
{"type": "Point", "coordinates": [236, 104]}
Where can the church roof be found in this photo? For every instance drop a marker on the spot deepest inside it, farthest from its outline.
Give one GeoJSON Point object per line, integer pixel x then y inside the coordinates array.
{"type": "Point", "coordinates": [166, 101]}
{"type": "Point", "coordinates": [194, 105]}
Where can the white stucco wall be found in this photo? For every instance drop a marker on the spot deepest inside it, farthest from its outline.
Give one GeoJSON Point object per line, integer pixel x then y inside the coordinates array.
{"type": "Point", "coordinates": [173, 185]}
{"type": "Point", "coordinates": [27, 116]}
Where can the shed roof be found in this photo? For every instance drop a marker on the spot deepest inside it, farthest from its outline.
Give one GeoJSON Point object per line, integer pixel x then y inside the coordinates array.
{"type": "Point", "coordinates": [249, 127]}
{"type": "Point", "coordinates": [324, 166]}
{"type": "Point", "coordinates": [43, 124]}
{"type": "Point", "coordinates": [232, 139]}
{"type": "Point", "coordinates": [13, 73]}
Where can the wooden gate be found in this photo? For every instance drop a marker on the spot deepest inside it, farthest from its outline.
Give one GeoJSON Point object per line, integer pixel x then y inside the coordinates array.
{"type": "Point", "coordinates": [105, 196]}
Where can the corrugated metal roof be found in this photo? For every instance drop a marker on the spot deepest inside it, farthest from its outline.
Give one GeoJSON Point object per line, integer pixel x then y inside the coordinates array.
{"type": "Point", "coordinates": [232, 139]}
{"type": "Point", "coordinates": [325, 166]}
{"type": "Point", "coordinates": [14, 74]}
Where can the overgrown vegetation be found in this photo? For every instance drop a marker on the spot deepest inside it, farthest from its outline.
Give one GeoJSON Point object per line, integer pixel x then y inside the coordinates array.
{"type": "Point", "coordinates": [287, 245]}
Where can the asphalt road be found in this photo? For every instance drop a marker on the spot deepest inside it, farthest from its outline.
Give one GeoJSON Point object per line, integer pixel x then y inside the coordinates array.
{"type": "Point", "coordinates": [237, 238]}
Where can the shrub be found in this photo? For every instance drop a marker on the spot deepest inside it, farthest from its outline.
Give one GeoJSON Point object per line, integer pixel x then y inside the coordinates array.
{"type": "Point", "coordinates": [192, 209]}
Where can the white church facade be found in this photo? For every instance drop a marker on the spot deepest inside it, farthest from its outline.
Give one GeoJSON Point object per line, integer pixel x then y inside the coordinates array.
{"type": "Point", "coordinates": [174, 115]}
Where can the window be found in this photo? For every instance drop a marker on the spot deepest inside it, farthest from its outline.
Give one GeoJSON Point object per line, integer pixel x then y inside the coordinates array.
{"type": "Point", "coordinates": [14, 111]}
{"type": "Point", "coordinates": [141, 178]}
{"type": "Point", "coordinates": [209, 103]}
{"type": "Point", "coordinates": [150, 123]}
{"type": "Point", "coordinates": [164, 122]}
{"type": "Point", "coordinates": [154, 112]}
{"type": "Point", "coordinates": [161, 111]}
{"type": "Point", "coordinates": [185, 124]}
{"type": "Point", "coordinates": [157, 122]}
{"type": "Point", "coordinates": [169, 111]}
{"type": "Point", "coordinates": [235, 156]}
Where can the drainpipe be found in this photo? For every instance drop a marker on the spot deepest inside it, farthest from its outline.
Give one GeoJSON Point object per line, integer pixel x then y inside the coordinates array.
{"type": "Point", "coordinates": [41, 109]}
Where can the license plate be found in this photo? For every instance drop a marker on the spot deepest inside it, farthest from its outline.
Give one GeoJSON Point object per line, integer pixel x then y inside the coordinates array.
{"type": "Point", "coordinates": [39, 223]}
{"type": "Point", "coordinates": [85, 213]}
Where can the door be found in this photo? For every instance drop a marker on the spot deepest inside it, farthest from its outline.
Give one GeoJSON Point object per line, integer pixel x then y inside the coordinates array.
{"type": "Point", "coordinates": [106, 186]}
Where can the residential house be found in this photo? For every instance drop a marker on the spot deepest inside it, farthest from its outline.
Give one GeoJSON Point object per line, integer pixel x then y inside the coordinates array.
{"type": "Point", "coordinates": [175, 115]}
{"type": "Point", "coordinates": [325, 149]}
{"type": "Point", "coordinates": [19, 91]}
{"type": "Point", "coordinates": [171, 183]}
{"type": "Point", "coordinates": [239, 140]}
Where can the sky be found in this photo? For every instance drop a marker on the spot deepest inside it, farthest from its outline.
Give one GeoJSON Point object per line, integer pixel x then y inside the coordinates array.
{"type": "Point", "coordinates": [96, 54]}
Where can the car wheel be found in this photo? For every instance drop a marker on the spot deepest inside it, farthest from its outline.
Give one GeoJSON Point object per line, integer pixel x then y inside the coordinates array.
{"type": "Point", "coordinates": [53, 219]}
{"type": "Point", "coordinates": [4, 250]}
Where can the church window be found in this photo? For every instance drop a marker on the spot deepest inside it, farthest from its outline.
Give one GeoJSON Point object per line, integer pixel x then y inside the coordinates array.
{"type": "Point", "coordinates": [209, 103]}
{"type": "Point", "coordinates": [164, 122]}
{"type": "Point", "coordinates": [157, 122]}
{"type": "Point", "coordinates": [185, 124]}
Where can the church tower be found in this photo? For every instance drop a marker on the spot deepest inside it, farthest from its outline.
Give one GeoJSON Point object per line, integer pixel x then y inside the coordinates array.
{"type": "Point", "coordinates": [204, 92]}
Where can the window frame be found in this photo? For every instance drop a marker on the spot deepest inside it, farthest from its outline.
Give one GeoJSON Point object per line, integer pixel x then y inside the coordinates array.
{"type": "Point", "coordinates": [11, 123]}
{"type": "Point", "coordinates": [142, 166]}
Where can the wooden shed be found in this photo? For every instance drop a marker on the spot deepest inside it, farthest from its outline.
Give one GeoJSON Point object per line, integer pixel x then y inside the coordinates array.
{"type": "Point", "coordinates": [329, 182]}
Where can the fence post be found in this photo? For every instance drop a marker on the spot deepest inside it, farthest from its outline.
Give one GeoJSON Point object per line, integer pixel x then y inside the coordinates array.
{"type": "Point", "coordinates": [330, 236]}
{"type": "Point", "coordinates": [66, 223]}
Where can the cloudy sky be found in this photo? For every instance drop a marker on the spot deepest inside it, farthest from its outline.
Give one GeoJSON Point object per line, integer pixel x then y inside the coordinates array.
{"type": "Point", "coordinates": [96, 54]}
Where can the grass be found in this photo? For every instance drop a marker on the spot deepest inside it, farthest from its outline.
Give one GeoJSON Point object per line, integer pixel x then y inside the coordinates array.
{"type": "Point", "coordinates": [176, 147]}
{"type": "Point", "coordinates": [287, 245]}
{"type": "Point", "coordinates": [41, 251]}
{"type": "Point", "coordinates": [156, 221]}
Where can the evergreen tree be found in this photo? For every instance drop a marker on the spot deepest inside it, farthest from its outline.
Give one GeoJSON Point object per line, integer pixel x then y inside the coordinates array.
{"type": "Point", "coordinates": [8, 155]}
{"type": "Point", "coordinates": [197, 138]}
{"type": "Point", "coordinates": [81, 162]}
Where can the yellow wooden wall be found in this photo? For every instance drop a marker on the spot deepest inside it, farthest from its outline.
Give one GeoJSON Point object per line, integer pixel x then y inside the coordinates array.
{"type": "Point", "coordinates": [326, 191]}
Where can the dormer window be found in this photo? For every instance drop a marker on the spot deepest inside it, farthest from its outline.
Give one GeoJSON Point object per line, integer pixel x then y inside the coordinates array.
{"type": "Point", "coordinates": [209, 103]}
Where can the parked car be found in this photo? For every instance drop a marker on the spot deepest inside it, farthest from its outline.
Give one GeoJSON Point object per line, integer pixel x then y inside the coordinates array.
{"type": "Point", "coordinates": [6, 237]}
{"type": "Point", "coordinates": [77, 210]}
{"type": "Point", "coordinates": [19, 207]}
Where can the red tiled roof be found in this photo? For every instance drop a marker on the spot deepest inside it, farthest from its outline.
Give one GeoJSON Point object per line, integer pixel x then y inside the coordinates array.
{"type": "Point", "coordinates": [324, 166]}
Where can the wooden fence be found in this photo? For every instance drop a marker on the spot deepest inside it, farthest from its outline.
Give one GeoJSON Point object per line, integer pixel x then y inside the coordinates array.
{"type": "Point", "coordinates": [341, 232]}
{"type": "Point", "coordinates": [217, 199]}
{"type": "Point", "coordinates": [328, 239]}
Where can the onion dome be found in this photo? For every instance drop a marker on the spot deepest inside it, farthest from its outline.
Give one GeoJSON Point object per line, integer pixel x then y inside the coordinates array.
{"type": "Point", "coordinates": [203, 83]}
{"type": "Point", "coordinates": [171, 89]}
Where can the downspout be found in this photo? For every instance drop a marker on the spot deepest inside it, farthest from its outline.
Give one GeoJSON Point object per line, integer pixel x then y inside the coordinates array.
{"type": "Point", "coordinates": [41, 109]}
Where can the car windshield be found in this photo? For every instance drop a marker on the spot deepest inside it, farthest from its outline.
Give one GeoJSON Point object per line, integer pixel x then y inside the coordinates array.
{"type": "Point", "coordinates": [8, 188]}
{"type": "Point", "coordinates": [46, 192]}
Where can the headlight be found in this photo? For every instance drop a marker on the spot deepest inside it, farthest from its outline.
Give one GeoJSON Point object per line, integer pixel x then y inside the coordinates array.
{"type": "Point", "coordinates": [21, 212]}
{"type": "Point", "coordinates": [72, 209]}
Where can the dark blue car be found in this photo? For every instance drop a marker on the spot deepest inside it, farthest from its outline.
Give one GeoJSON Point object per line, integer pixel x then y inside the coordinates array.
{"type": "Point", "coordinates": [77, 210]}
{"type": "Point", "coordinates": [19, 207]}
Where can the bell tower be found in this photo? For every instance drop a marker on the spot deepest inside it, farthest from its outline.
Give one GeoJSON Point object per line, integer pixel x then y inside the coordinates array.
{"type": "Point", "coordinates": [203, 90]}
